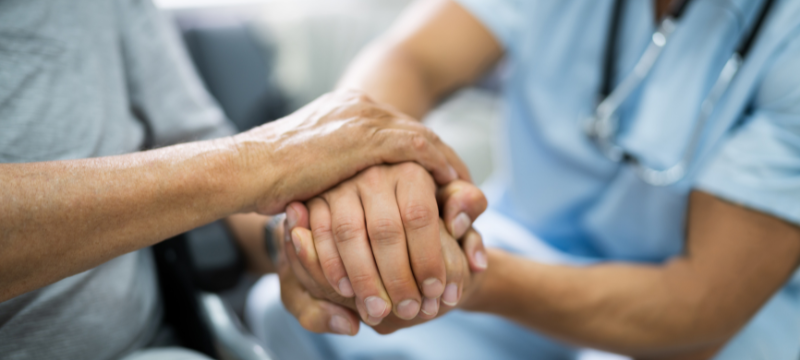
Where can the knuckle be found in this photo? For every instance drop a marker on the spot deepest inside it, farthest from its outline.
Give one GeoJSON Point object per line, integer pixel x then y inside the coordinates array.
{"type": "Point", "coordinates": [331, 265]}
{"type": "Point", "coordinates": [362, 280]}
{"type": "Point", "coordinates": [477, 197]}
{"type": "Point", "coordinates": [411, 169]}
{"type": "Point", "coordinates": [386, 232]}
{"type": "Point", "coordinates": [348, 231]}
{"type": "Point", "coordinates": [373, 176]}
{"type": "Point", "coordinates": [321, 232]}
{"type": "Point", "coordinates": [432, 136]}
{"type": "Point", "coordinates": [418, 216]}
{"type": "Point", "coordinates": [374, 113]}
{"type": "Point", "coordinates": [419, 142]}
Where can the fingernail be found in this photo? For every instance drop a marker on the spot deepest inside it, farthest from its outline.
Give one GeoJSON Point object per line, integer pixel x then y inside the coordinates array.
{"type": "Point", "coordinates": [430, 306]}
{"type": "Point", "coordinates": [296, 241]}
{"type": "Point", "coordinates": [373, 321]}
{"type": "Point", "coordinates": [345, 288]}
{"type": "Point", "coordinates": [375, 306]}
{"type": "Point", "coordinates": [453, 173]}
{"type": "Point", "coordinates": [480, 259]}
{"type": "Point", "coordinates": [340, 325]}
{"type": "Point", "coordinates": [460, 225]}
{"type": "Point", "coordinates": [432, 288]}
{"type": "Point", "coordinates": [450, 296]}
{"type": "Point", "coordinates": [407, 309]}
{"type": "Point", "coordinates": [291, 221]}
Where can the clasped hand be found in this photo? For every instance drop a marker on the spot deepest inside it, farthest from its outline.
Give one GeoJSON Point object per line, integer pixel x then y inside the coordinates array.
{"type": "Point", "coordinates": [375, 248]}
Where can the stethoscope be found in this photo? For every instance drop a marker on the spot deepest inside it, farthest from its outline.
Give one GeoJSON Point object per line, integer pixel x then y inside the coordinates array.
{"type": "Point", "coordinates": [603, 125]}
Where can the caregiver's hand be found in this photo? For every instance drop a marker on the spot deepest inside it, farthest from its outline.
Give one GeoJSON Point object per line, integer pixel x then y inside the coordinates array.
{"type": "Point", "coordinates": [303, 285]}
{"type": "Point", "coordinates": [377, 237]}
{"type": "Point", "coordinates": [328, 141]}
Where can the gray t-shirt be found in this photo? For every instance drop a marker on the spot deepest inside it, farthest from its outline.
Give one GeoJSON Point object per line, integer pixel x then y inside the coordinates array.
{"type": "Point", "coordinates": [79, 79]}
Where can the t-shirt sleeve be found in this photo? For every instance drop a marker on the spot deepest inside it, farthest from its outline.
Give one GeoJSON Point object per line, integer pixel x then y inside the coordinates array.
{"type": "Point", "coordinates": [501, 17]}
{"type": "Point", "coordinates": [759, 164]}
{"type": "Point", "coordinates": [164, 88]}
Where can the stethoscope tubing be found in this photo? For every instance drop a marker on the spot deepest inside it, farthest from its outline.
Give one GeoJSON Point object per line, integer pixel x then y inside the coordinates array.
{"type": "Point", "coordinates": [602, 127]}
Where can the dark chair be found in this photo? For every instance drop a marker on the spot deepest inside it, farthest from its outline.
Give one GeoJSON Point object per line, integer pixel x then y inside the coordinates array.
{"type": "Point", "coordinates": [194, 268]}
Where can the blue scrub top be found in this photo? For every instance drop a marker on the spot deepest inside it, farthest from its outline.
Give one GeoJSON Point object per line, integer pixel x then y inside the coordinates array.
{"type": "Point", "coordinates": [555, 182]}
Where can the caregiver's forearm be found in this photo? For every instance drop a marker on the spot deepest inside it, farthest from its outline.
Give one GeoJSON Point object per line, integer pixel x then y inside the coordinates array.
{"type": "Point", "coordinates": [389, 75]}
{"type": "Point", "coordinates": [693, 302]}
{"type": "Point", "coordinates": [59, 218]}
{"type": "Point", "coordinates": [631, 309]}
{"type": "Point", "coordinates": [433, 49]}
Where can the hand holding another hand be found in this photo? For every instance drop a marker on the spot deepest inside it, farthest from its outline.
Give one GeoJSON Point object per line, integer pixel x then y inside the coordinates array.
{"type": "Point", "coordinates": [327, 142]}
{"type": "Point", "coordinates": [379, 247]}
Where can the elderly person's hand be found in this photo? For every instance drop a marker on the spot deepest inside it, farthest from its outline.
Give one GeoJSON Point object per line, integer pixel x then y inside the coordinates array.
{"type": "Point", "coordinates": [328, 141]}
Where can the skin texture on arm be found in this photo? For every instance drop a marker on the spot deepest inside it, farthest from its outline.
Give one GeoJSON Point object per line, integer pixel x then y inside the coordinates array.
{"type": "Point", "coordinates": [62, 217]}
{"type": "Point", "coordinates": [434, 48]}
{"type": "Point", "coordinates": [735, 260]}
{"type": "Point", "coordinates": [248, 231]}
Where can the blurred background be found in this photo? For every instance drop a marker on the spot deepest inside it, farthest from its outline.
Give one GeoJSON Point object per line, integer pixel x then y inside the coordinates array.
{"type": "Point", "coordinates": [262, 59]}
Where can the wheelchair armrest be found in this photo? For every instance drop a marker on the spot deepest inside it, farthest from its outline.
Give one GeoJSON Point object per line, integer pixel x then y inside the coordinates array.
{"type": "Point", "coordinates": [192, 268]}
{"type": "Point", "coordinates": [231, 341]}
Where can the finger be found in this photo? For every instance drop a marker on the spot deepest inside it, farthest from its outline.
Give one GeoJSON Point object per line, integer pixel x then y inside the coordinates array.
{"type": "Point", "coordinates": [462, 203]}
{"type": "Point", "coordinates": [388, 239]}
{"type": "Point", "coordinates": [298, 269]}
{"type": "Point", "coordinates": [472, 245]}
{"type": "Point", "coordinates": [456, 269]}
{"type": "Point", "coordinates": [329, 259]}
{"type": "Point", "coordinates": [418, 210]}
{"type": "Point", "coordinates": [395, 145]}
{"type": "Point", "coordinates": [306, 266]}
{"type": "Point", "coordinates": [350, 235]}
{"type": "Point", "coordinates": [315, 315]}
{"type": "Point", "coordinates": [296, 215]}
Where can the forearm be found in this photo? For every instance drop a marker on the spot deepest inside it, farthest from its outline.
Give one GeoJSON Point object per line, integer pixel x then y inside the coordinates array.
{"type": "Point", "coordinates": [389, 74]}
{"type": "Point", "coordinates": [434, 48]}
{"type": "Point", "coordinates": [63, 217]}
{"type": "Point", "coordinates": [248, 230]}
{"type": "Point", "coordinates": [632, 309]}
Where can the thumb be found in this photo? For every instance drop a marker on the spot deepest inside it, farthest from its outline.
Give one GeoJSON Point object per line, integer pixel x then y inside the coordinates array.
{"type": "Point", "coordinates": [475, 251]}
{"type": "Point", "coordinates": [462, 203]}
{"type": "Point", "coordinates": [296, 215]}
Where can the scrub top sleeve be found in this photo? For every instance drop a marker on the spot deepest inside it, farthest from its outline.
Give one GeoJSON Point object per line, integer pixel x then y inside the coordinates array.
{"type": "Point", "coordinates": [503, 18]}
{"type": "Point", "coordinates": [759, 164]}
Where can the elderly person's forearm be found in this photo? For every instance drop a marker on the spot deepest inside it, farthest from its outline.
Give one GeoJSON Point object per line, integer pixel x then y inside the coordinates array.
{"type": "Point", "coordinates": [62, 217]}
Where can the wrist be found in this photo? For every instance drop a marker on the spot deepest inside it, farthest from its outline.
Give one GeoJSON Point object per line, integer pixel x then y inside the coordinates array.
{"type": "Point", "coordinates": [254, 172]}
{"type": "Point", "coordinates": [489, 285]}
